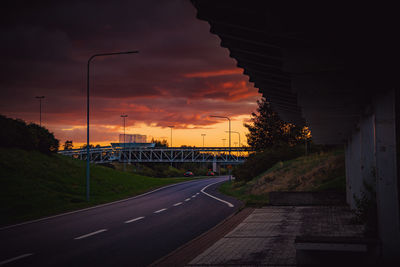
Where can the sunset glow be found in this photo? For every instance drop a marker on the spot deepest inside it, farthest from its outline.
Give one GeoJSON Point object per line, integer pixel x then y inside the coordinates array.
{"type": "Point", "coordinates": [180, 76]}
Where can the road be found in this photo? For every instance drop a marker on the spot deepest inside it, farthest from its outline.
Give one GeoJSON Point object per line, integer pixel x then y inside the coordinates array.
{"type": "Point", "coordinates": [134, 232]}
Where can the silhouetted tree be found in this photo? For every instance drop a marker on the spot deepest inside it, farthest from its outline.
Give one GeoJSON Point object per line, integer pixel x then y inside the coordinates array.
{"type": "Point", "coordinates": [158, 143]}
{"type": "Point", "coordinates": [268, 130]}
{"type": "Point", "coordinates": [68, 145]}
{"type": "Point", "coordinates": [16, 133]}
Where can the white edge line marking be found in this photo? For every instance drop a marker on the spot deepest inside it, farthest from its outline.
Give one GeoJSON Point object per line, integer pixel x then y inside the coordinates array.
{"type": "Point", "coordinates": [226, 202]}
{"type": "Point", "coordinates": [177, 204]}
{"type": "Point", "coordinates": [90, 234]}
{"type": "Point", "coordinates": [187, 199]}
{"type": "Point", "coordinates": [16, 258]}
{"type": "Point", "coordinates": [161, 210]}
{"type": "Point", "coordinates": [98, 206]}
{"type": "Point", "coordinates": [134, 220]}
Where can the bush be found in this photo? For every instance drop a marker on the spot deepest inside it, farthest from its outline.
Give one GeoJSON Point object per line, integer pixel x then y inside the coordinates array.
{"type": "Point", "coordinates": [18, 134]}
{"type": "Point", "coordinates": [259, 162]}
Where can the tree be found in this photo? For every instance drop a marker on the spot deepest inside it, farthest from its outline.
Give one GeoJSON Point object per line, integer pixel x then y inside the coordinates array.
{"type": "Point", "coordinates": [68, 145]}
{"type": "Point", "coordinates": [268, 130]}
{"type": "Point", "coordinates": [18, 134]}
{"type": "Point", "coordinates": [158, 143]}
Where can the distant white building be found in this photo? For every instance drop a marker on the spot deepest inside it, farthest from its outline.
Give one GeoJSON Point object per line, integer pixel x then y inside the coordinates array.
{"type": "Point", "coordinates": [132, 138]}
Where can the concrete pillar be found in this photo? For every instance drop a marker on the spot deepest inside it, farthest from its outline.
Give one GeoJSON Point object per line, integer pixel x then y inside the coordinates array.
{"type": "Point", "coordinates": [368, 168]}
{"type": "Point", "coordinates": [348, 172]}
{"type": "Point", "coordinates": [386, 175]}
{"type": "Point", "coordinates": [353, 168]}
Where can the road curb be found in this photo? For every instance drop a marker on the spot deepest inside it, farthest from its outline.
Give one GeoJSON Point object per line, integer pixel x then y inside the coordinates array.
{"type": "Point", "coordinates": [187, 252]}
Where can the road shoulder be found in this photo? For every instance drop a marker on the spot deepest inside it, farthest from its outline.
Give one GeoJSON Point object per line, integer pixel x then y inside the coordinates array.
{"type": "Point", "coordinates": [184, 254]}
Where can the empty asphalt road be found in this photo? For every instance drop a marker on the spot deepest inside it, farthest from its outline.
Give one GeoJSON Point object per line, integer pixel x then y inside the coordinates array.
{"type": "Point", "coordinates": [134, 232]}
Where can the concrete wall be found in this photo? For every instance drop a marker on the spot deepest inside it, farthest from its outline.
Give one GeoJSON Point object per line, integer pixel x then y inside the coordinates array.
{"type": "Point", "coordinates": [371, 158]}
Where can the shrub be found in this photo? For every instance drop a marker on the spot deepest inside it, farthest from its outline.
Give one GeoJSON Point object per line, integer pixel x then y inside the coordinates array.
{"type": "Point", "coordinates": [18, 134]}
{"type": "Point", "coordinates": [259, 162]}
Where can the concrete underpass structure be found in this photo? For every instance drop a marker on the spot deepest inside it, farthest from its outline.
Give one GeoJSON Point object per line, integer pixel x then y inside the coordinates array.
{"type": "Point", "coordinates": [335, 69]}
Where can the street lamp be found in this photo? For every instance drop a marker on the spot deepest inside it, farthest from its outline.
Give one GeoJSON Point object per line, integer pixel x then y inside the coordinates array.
{"type": "Point", "coordinates": [40, 109]}
{"type": "Point", "coordinates": [238, 135]}
{"type": "Point", "coordinates": [223, 142]}
{"type": "Point", "coordinates": [223, 117]}
{"type": "Point", "coordinates": [124, 117]}
{"type": "Point", "coordinates": [87, 113]}
{"type": "Point", "coordinates": [171, 132]}
{"type": "Point", "coordinates": [203, 138]}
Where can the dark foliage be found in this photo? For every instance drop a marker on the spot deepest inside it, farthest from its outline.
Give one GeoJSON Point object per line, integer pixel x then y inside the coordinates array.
{"type": "Point", "coordinates": [18, 134]}
{"type": "Point", "coordinates": [68, 145]}
{"type": "Point", "coordinates": [158, 143]}
{"type": "Point", "coordinates": [268, 130]}
{"type": "Point", "coordinates": [259, 162]}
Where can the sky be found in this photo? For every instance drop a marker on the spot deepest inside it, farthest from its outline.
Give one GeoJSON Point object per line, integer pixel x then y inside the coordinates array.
{"type": "Point", "coordinates": [180, 76]}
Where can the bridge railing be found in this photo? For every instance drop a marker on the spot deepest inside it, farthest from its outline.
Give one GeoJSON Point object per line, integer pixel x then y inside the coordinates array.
{"type": "Point", "coordinates": [234, 155]}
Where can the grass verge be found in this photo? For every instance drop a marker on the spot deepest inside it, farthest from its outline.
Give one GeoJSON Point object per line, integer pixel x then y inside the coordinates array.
{"type": "Point", "coordinates": [323, 171]}
{"type": "Point", "coordinates": [34, 185]}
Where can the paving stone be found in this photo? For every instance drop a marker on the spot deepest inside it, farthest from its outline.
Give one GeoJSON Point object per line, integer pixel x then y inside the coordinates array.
{"type": "Point", "coordinates": [266, 237]}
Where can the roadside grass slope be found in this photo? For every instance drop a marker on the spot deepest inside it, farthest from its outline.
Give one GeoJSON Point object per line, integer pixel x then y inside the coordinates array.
{"type": "Point", "coordinates": [34, 185]}
{"type": "Point", "coordinates": [322, 171]}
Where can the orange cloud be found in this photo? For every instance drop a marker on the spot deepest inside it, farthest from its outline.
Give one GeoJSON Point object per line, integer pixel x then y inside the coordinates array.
{"type": "Point", "coordinates": [206, 74]}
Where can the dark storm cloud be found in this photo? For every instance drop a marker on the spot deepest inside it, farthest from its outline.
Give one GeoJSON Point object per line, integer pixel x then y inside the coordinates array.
{"type": "Point", "coordinates": [180, 74]}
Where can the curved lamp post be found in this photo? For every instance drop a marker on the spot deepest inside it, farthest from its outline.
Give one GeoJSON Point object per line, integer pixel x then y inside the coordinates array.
{"type": "Point", "coordinates": [223, 117]}
{"type": "Point", "coordinates": [87, 113]}
{"type": "Point", "coordinates": [238, 135]}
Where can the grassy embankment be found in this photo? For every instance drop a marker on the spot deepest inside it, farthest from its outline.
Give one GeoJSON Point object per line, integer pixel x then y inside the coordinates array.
{"type": "Point", "coordinates": [34, 185]}
{"type": "Point", "coordinates": [323, 171]}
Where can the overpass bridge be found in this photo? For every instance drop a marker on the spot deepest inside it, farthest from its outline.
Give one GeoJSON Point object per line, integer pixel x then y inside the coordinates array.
{"type": "Point", "coordinates": [221, 155]}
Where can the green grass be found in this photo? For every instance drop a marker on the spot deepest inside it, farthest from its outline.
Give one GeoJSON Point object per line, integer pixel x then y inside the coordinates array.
{"type": "Point", "coordinates": [323, 171]}
{"type": "Point", "coordinates": [34, 185]}
{"type": "Point", "coordinates": [239, 192]}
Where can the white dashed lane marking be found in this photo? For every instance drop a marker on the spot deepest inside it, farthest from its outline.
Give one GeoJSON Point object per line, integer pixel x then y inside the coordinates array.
{"type": "Point", "coordinates": [161, 210]}
{"type": "Point", "coordinates": [134, 220]}
{"type": "Point", "coordinates": [177, 204]}
{"type": "Point", "coordinates": [90, 234]}
{"type": "Point", "coordinates": [187, 199]}
{"type": "Point", "coordinates": [16, 258]}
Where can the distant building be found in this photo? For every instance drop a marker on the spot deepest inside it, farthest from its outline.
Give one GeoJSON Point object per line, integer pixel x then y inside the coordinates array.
{"type": "Point", "coordinates": [132, 138]}
{"type": "Point", "coordinates": [132, 141]}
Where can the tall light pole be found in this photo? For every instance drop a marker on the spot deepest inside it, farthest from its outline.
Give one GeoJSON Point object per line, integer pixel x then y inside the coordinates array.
{"type": "Point", "coordinates": [124, 117]}
{"type": "Point", "coordinates": [87, 113]}
{"type": "Point", "coordinates": [40, 109]}
{"type": "Point", "coordinates": [172, 126]}
{"type": "Point", "coordinates": [223, 117]}
{"type": "Point", "coordinates": [203, 138]}
{"type": "Point", "coordinates": [238, 135]}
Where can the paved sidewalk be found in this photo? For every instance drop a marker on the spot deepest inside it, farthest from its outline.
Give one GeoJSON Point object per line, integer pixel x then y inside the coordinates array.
{"type": "Point", "coordinates": [189, 251]}
{"type": "Point", "coordinates": [266, 237]}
